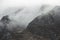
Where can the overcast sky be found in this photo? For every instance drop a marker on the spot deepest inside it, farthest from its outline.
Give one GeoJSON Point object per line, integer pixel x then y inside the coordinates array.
{"type": "Point", "coordinates": [6, 3]}
{"type": "Point", "coordinates": [30, 8]}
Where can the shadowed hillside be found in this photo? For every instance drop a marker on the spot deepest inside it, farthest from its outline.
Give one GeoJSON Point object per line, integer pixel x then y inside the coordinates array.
{"type": "Point", "coordinates": [44, 27]}
{"type": "Point", "coordinates": [47, 25]}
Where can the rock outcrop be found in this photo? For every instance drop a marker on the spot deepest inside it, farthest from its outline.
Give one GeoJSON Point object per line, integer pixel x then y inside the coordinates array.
{"type": "Point", "coordinates": [4, 32]}
{"type": "Point", "coordinates": [47, 25]}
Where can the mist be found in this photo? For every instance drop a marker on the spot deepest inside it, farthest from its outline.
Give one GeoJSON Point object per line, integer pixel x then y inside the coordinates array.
{"type": "Point", "coordinates": [23, 12]}
{"type": "Point", "coordinates": [23, 16]}
{"type": "Point", "coordinates": [16, 15]}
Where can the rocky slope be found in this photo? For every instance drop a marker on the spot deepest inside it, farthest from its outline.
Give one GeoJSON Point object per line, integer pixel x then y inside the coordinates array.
{"type": "Point", "coordinates": [43, 27]}
{"type": "Point", "coordinates": [47, 25]}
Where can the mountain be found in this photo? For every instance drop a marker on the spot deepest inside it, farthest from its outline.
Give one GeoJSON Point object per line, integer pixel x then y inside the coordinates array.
{"type": "Point", "coordinates": [47, 25]}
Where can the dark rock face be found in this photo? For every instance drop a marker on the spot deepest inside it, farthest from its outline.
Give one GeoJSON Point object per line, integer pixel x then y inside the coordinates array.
{"type": "Point", "coordinates": [5, 19]}
{"type": "Point", "coordinates": [47, 25]}
{"type": "Point", "coordinates": [4, 33]}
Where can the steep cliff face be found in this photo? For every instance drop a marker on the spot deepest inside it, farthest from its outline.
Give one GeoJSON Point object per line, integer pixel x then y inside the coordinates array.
{"type": "Point", "coordinates": [47, 25]}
